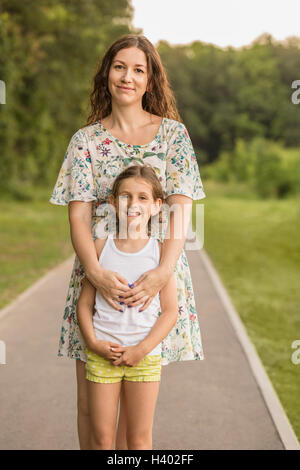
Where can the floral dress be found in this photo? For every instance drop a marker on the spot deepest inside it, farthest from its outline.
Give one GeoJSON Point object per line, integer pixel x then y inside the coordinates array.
{"type": "Point", "coordinates": [92, 161]}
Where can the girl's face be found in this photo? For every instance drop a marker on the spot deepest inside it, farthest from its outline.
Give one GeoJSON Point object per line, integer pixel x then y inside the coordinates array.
{"type": "Point", "coordinates": [128, 77]}
{"type": "Point", "coordinates": [135, 203]}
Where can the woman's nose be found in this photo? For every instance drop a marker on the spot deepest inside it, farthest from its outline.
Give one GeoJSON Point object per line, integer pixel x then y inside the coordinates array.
{"type": "Point", "coordinates": [127, 75]}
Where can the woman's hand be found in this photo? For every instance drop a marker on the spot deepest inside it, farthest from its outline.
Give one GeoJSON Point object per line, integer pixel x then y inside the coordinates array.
{"type": "Point", "coordinates": [146, 287]}
{"type": "Point", "coordinates": [111, 285]}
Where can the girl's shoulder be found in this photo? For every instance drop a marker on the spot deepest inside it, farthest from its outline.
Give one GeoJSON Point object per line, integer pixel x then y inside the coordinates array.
{"type": "Point", "coordinates": [99, 245]}
{"type": "Point", "coordinates": [159, 247]}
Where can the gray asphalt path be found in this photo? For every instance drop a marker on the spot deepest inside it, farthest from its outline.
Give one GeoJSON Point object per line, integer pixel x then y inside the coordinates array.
{"type": "Point", "coordinates": [210, 404]}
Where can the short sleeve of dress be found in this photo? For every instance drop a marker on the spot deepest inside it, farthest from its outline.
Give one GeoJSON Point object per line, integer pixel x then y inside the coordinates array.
{"type": "Point", "coordinates": [75, 181]}
{"type": "Point", "coordinates": [182, 172]}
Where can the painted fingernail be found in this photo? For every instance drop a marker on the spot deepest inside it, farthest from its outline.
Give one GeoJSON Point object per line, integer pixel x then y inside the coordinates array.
{"type": "Point", "coordinates": [121, 311]}
{"type": "Point", "coordinates": [140, 310]}
{"type": "Point", "coordinates": [131, 285]}
{"type": "Point", "coordinates": [129, 305]}
{"type": "Point", "coordinates": [122, 303]}
{"type": "Point", "coordinates": [120, 297]}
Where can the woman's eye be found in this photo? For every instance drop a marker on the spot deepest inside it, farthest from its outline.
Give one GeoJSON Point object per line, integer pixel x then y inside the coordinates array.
{"type": "Point", "coordinates": [119, 65]}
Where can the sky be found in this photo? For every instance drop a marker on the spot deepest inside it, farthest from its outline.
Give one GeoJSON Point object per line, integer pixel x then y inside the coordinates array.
{"type": "Point", "coordinates": [221, 22]}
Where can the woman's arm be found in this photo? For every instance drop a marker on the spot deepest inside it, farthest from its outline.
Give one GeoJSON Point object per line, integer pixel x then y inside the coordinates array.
{"type": "Point", "coordinates": [174, 244]}
{"type": "Point", "coordinates": [80, 219]}
{"type": "Point", "coordinates": [109, 283]}
{"type": "Point", "coordinates": [151, 282]}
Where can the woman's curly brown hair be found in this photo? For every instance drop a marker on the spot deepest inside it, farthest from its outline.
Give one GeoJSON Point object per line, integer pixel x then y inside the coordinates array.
{"type": "Point", "coordinates": [159, 101]}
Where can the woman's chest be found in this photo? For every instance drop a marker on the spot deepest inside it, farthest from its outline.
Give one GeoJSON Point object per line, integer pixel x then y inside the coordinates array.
{"type": "Point", "coordinates": [108, 160]}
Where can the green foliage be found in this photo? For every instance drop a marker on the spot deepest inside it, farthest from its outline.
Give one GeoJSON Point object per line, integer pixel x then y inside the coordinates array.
{"type": "Point", "coordinates": [269, 169]}
{"type": "Point", "coordinates": [49, 51]}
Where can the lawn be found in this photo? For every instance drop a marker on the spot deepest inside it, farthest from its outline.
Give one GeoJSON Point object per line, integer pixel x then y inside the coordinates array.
{"type": "Point", "coordinates": [255, 247]}
{"type": "Point", "coordinates": [34, 238]}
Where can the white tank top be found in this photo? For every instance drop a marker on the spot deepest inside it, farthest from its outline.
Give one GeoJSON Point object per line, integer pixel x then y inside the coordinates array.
{"type": "Point", "coordinates": [131, 326]}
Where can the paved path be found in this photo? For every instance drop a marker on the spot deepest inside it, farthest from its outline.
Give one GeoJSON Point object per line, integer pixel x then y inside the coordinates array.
{"type": "Point", "coordinates": [210, 404]}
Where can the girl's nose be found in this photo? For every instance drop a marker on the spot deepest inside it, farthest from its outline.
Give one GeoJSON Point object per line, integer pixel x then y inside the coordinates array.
{"type": "Point", "coordinates": [133, 207]}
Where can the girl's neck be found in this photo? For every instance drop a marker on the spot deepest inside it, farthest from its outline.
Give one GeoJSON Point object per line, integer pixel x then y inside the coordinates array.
{"type": "Point", "coordinates": [131, 245]}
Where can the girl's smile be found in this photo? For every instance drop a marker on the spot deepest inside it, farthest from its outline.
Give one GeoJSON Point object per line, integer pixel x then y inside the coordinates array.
{"type": "Point", "coordinates": [135, 202]}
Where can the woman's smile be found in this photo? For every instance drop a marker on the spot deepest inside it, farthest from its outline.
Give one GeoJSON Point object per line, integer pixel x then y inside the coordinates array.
{"type": "Point", "coordinates": [125, 88]}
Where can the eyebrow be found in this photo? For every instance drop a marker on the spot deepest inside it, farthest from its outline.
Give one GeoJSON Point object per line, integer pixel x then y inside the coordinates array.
{"type": "Point", "coordinates": [137, 65]}
{"type": "Point", "coordinates": [142, 192]}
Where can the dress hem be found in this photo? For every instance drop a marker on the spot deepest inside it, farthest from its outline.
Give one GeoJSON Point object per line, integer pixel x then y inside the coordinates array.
{"type": "Point", "coordinates": [201, 357]}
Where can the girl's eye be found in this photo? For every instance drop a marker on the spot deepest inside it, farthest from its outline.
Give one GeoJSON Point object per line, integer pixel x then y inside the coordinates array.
{"type": "Point", "coordinates": [143, 197]}
{"type": "Point", "coordinates": [141, 70]}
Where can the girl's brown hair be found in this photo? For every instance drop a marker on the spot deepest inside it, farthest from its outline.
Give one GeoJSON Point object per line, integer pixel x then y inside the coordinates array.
{"type": "Point", "coordinates": [159, 101]}
{"type": "Point", "coordinates": [145, 172]}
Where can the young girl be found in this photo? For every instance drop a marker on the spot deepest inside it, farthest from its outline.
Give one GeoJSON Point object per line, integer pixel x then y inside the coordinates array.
{"type": "Point", "coordinates": [125, 346]}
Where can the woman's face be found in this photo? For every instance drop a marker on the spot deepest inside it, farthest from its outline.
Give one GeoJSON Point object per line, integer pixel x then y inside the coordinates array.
{"type": "Point", "coordinates": [128, 77]}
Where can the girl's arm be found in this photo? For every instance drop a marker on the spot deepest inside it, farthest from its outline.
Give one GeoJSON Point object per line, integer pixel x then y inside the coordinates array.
{"type": "Point", "coordinates": [86, 303]}
{"type": "Point", "coordinates": [85, 311]}
{"type": "Point", "coordinates": [168, 317]}
{"type": "Point", "coordinates": [109, 283]}
{"type": "Point", "coordinates": [166, 321]}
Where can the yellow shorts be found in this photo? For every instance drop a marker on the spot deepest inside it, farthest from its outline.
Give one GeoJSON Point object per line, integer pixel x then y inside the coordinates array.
{"type": "Point", "coordinates": [101, 370]}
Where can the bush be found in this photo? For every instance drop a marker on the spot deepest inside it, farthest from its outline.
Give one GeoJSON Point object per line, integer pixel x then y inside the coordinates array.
{"type": "Point", "coordinates": [268, 168]}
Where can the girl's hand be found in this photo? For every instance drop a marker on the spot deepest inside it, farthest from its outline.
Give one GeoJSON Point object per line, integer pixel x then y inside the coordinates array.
{"type": "Point", "coordinates": [111, 285]}
{"type": "Point", "coordinates": [146, 287]}
{"type": "Point", "coordinates": [103, 349]}
{"type": "Point", "coordinates": [131, 355]}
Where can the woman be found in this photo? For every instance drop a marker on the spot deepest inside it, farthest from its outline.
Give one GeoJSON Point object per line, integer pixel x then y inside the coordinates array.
{"type": "Point", "coordinates": [133, 120]}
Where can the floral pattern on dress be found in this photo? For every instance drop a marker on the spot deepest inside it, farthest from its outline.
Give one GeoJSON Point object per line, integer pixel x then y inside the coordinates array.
{"type": "Point", "coordinates": [92, 161]}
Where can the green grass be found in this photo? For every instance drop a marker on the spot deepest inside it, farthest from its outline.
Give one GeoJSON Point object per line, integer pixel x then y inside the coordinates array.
{"type": "Point", "coordinates": [34, 238]}
{"type": "Point", "coordinates": [255, 247]}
